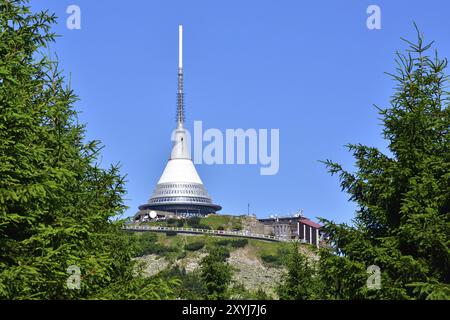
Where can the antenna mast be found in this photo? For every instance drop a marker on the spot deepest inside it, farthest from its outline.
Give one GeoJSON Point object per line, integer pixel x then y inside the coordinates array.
{"type": "Point", "coordinates": [180, 94]}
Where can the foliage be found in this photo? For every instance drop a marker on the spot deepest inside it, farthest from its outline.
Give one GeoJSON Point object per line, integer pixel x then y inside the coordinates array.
{"type": "Point", "coordinates": [193, 222]}
{"type": "Point", "coordinates": [194, 246]}
{"type": "Point", "coordinates": [270, 259]}
{"type": "Point", "coordinates": [236, 225]}
{"type": "Point", "coordinates": [179, 223]}
{"type": "Point", "coordinates": [57, 206]}
{"type": "Point", "coordinates": [145, 243]}
{"type": "Point", "coordinates": [239, 243]}
{"type": "Point", "coordinates": [141, 288]}
{"type": "Point", "coordinates": [275, 259]}
{"type": "Point", "coordinates": [142, 243]}
{"type": "Point", "coordinates": [174, 223]}
{"type": "Point", "coordinates": [301, 281]}
{"type": "Point", "coordinates": [196, 222]}
{"type": "Point", "coordinates": [215, 274]}
{"type": "Point", "coordinates": [261, 294]}
{"type": "Point", "coordinates": [239, 292]}
{"type": "Point", "coordinates": [432, 291]}
{"type": "Point", "coordinates": [233, 243]}
{"type": "Point", "coordinates": [223, 242]}
{"type": "Point", "coordinates": [191, 286]}
{"type": "Point", "coordinates": [402, 223]}
{"type": "Point", "coordinates": [222, 222]}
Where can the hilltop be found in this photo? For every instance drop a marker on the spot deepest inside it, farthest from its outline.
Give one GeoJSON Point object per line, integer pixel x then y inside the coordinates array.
{"type": "Point", "coordinates": [257, 264]}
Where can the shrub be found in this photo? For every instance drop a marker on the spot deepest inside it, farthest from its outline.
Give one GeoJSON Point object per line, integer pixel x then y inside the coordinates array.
{"type": "Point", "coordinates": [216, 274]}
{"type": "Point", "coordinates": [191, 287]}
{"type": "Point", "coordinates": [223, 242]}
{"type": "Point", "coordinates": [143, 243]}
{"type": "Point", "coordinates": [236, 226]}
{"type": "Point", "coordinates": [142, 247]}
{"type": "Point", "coordinates": [193, 222]}
{"type": "Point", "coordinates": [194, 246]}
{"type": "Point", "coordinates": [171, 222]}
{"type": "Point", "coordinates": [282, 253]}
{"type": "Point", "coordinates": [171, 233]}
{"type": "Point", "coordinates": [234, 243]}
{"type": "Point", "coordinates": [182, 254]}
{"type": "Point", "coordinates": [239, 243]}
{"type": "Point", "coordinates": [180, 223]}
{"type": "Point", "coordinates": [271, 259]}
{"type": "Point", "coordinates": [225, 253]}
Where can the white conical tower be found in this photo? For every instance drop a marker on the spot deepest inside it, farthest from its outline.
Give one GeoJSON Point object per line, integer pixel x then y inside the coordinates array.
{"type": "Point", "coordinates": [180, 189]}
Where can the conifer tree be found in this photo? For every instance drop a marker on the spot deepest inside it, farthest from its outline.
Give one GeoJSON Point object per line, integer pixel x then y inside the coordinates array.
{"type": "Point", "coordinates": [216, 274]}
{"type": "Point", "coordinates": [58, 208]}
{"type": "Point", "coordinates": [301, 281]}
{"type": "Point", "coordinates": [402, 223]}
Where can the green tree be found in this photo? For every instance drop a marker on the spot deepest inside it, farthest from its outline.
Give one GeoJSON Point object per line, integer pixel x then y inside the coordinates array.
{"type": "Point", "coordinates": [216, 274]}
{"type": "Point", "coordinates": [301, 281]}
{"type": "Point", "coordinates": [261, 294]}
{"type": "Point", "coordinates": [191, 286]}
{"type": "Point", "coordinates": [141, 288]}
{"type": "Point", "coordinates": [57, 206]}
{"type": "Point", "coordinates": [402, 223]}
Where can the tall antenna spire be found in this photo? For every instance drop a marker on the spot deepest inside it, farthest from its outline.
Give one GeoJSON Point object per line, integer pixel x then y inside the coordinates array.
{"type": "Point", "coordinates": [180, 95]}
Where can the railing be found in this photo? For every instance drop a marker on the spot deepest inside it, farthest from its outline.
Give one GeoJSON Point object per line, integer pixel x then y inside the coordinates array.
{"type": "Point", "coordinates": [242, 234]}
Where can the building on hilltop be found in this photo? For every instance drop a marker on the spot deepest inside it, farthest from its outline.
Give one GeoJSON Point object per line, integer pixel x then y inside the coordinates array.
{"type": "Point", "coordinates": [295, 227]}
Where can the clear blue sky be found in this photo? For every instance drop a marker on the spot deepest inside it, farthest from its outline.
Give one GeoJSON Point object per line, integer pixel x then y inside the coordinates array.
{"type": "Point", "coordinates": [310, 68]}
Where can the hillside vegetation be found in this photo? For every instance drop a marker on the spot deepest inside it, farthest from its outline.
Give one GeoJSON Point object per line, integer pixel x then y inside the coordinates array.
{"type": "Point", "coordinates": [257, 265]}
{"type": "Point", "coordinates": [213, 221]}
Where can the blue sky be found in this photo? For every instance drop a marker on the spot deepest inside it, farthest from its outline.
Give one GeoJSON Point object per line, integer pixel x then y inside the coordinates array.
{"type": "Point", "coordinates": [309, 68]}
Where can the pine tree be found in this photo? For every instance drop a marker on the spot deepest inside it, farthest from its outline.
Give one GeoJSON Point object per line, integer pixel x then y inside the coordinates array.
{"type": "Point", "coordinates": [402, 223]}
{"type": "Point", "coordinates": [58, 208]}
{"type": "Point", "coordinates": [216, 274]}
{"type": "Point", "coordinates": [301, 281]}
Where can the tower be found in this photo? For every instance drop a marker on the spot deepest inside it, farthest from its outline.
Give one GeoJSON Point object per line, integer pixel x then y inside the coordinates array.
{"type": "Point", "coordinates": [180, 189]}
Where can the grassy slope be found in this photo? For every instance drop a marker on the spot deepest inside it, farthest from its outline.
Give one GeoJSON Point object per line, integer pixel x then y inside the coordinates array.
{"type": "Point", "coordinates": [258, 248]}
{"type": "Point", "coordinates": [263, 250]}
{"type": "Point", "coordinates": [257, 264]}
{"type": "Point", "coordinates": [227, 222]}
